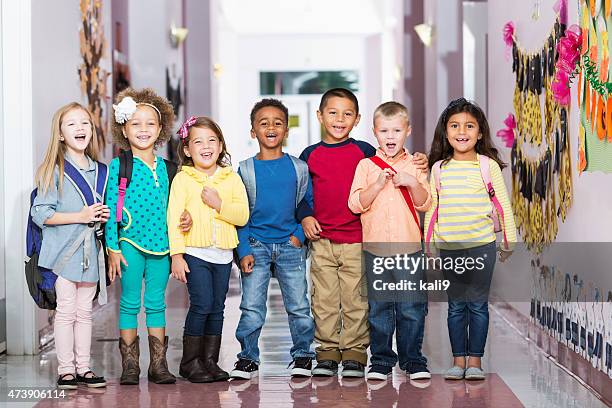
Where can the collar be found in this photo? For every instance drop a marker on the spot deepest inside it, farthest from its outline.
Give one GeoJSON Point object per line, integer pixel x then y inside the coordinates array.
{"type": "Point", "coordinates": [404, 155]}
{"type": "Point", "coordinates": [343, 143]}
{"type": "Point", "coordinates": [201, 177]}
{"type": "Point", "coordinates": [91, 165]}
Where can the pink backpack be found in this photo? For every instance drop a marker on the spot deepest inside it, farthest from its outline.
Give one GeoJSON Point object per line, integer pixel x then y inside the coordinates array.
{"type": "Point", "coordinates": [496, 212]}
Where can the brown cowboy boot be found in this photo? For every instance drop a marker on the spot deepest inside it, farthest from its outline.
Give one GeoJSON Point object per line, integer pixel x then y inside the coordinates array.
{"type": "Point", "coordinates": [210, 356]}
{"type": "Point", "coordinates": [129, 362]}
{"type": "Point", "coordinates": [192, 367]}
{"type": "Point", "coordinates": [158, 366]}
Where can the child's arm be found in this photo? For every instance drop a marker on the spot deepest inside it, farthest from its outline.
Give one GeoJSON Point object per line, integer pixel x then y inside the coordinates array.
{"type": "Point", "coordinates": [362, 196]}
{"type": "Point", "coordinates": [433, 203]}
{"type": "Point", "coordinates": [177, 202]}
{"type": "Point", "coordinates": [419, 188]}
{"type": "Point", "coordinates": [111, 233]}
{"type": "Point", "coordinates": [236, 211]}
{"type": "Point", "coordinates": [306, 203]}
{"type": "Point", "coordinates": [508, 226]}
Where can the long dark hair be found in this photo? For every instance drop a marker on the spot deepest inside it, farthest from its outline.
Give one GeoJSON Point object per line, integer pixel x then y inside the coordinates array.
{"type": "Point", "coordinates": [441, 148]}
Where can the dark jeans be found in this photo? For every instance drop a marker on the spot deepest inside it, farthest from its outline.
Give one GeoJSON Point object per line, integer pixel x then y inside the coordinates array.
{"type": "Point", "coordinates": [207, 284]}
{"type": "Point", "coordinates": [405, 316]}
{"type": "Point", "coordinates": [468, 294]}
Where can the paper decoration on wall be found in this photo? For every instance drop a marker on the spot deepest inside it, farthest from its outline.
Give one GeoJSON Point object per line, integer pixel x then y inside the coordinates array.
{"type": "Point", "coordinates": [92, 76]}
{"type": "Point", "coordinates": [595, 88]}
{"type": "Point", "coordinates": [540, 157]}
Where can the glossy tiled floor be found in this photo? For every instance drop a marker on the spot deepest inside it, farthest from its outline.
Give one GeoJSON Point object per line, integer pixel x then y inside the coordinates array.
{"type": "Point", "coordinates": [520, 374]}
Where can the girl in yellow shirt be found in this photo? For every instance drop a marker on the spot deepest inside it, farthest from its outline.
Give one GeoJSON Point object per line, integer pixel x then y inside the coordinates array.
{"type": "Point", "coordinates": [214, 195]}
{"type": "Point", "coordinates": [464, 229]}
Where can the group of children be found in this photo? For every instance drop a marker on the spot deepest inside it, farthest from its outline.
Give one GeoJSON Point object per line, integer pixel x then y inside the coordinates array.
{"type": "Point", "coordinates": [269, 217]}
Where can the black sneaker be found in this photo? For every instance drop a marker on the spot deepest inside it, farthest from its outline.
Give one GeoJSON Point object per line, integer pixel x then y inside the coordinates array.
{"type": "Point", "coordinates": [325, 368]}
{"type": "Point", "coordinates": [351, 368]}
{"type": "Point", "coordinates": [91, 382]}
{"type": "Point", "coordinates": [67, 382]}
{"type": "Point", "coordinates": [302, 367]}
{"type": "Point", "coordinates": [379, 372]}
{"type": "Point", "coordinates": [418, 372]}
{"type": "Point", "coordinates": [245, 369]}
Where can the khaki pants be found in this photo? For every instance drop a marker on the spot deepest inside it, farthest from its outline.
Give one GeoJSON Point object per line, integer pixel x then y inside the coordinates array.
{"type": "Point", "coordinates": [339, 301]}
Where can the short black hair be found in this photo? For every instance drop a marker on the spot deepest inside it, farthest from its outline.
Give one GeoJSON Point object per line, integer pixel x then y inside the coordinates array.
{"type": "Point", "coordinates": [264, 103]}
{"type": "Point", "coordinates": [341, 93]}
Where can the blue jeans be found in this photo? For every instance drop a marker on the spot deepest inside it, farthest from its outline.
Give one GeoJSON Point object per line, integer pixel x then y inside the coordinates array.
{"type": "Point", "coordinates": [405, 316]}
{"type": "Point", "coordinates": [207, 284]}
{"type": "Point", "coordinates": [290, 270]}
{"type": "Point", "coordinates": [468, 306]}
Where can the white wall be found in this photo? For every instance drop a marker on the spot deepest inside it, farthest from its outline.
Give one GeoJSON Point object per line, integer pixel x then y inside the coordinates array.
{"type": "Point", "coordinates": [243, 57]}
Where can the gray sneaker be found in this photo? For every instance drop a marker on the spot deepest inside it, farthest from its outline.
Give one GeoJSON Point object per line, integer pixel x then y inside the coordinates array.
{"type": "Point", "coordinates": [474, 373]}
{"type": "Point", "coordinates": [455, 373]}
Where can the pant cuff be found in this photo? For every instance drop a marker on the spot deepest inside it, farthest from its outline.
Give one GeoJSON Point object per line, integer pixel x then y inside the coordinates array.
{"type": "Point", "coordinates": [333, 355]}
{"type": "Point", "coordinates": [475, 355]}
{"type": "Point", "coordinates": [299, 354]}
{"type": "Point", "coordinates": [359, 356]}
{"type": "Point", "coordinates": [464, 354]}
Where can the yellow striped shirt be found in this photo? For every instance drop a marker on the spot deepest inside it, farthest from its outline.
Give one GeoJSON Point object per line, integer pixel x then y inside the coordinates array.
{"type": "Point", "coordinates": [465, 207]}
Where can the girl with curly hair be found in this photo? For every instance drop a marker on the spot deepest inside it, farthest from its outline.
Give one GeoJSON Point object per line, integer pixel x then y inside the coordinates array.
{"type": "Point", "coordinates": [136, 235]}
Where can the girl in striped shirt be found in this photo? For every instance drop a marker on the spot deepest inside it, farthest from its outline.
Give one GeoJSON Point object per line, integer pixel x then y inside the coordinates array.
{"type": "Point", "coordinates": [464, 230]}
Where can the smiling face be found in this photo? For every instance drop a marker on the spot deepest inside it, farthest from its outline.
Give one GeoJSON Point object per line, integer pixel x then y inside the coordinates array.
{"type": "Point", "coordinates": [269, 128]}
{"type": "Point", "coordinates": [76, 130]}
{"type": "Point", "coordinates": [463, 133]}
{"type": "Point", "coordinates": [143, 128]}
{"type": "Point", "coordinates": [391, 133]}
{"type": "Point", "coordinates": [204, 148]}
{"type": "Point", "coordinates": [338, 118]}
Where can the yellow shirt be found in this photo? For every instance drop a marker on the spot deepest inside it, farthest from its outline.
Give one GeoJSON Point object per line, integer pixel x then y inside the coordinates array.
{"type": "Point", "coordinates": [185, 194]}
{"type": "Point", "coordinates": [464, 206]}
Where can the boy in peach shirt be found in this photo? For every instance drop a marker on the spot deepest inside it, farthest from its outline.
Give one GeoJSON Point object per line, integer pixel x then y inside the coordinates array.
{"type": "Point", "coordinates": [387, 191]}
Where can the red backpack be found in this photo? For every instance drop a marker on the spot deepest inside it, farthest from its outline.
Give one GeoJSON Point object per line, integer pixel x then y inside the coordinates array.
{"type": "Point", "coordinates": [497, 211]}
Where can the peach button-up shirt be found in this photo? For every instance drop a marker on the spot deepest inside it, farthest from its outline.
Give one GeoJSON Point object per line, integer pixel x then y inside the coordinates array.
{"type": "Point", "coordinates": [388, 219]}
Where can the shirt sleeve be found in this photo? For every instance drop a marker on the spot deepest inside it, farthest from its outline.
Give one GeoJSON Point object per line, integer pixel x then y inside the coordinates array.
{"type": "Point", "coordinates": [509, 227]}
{"type": "Point", "coordinates": [44, 205]}
{"type": "Point", "coordinates": [422, 179]}
{"type": "Point", "coordinates": [433, 204]}
{"type": "Point", "coordinates": [176, 205]}
{"type": "Point", "coordinates": [305, 207]}
{"type": "Point", "coordinates": [111, 231]}
{"type": "Point", "coordinates": [243, 248]}
{"type": "Point", "coordinates": [236, 211]}
{"type": "Point", "coordinates": [359, 184]}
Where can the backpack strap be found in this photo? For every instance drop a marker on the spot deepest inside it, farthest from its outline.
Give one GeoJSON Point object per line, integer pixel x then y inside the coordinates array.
{"type": "Point", "coordinates": [83, 187]}
{"type": "Point", "coordinates": [247, 173]}
{"type": "Point", "coordinates": [485, 173]}
{"type": "Point", "coordinates": [435, 171]}
{"type": "Point", "coordinates": [101, 180]}
{"type": "Point", "coordinates": [301, 172]}
{"type": "Point", "coordinates": [126, 163]}
{"type": "Point", "coordinates": [403, 189]}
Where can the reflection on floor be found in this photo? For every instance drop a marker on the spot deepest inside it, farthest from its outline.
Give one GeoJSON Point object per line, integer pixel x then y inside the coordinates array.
{"type": "Point", "coordinates": [520, 374]}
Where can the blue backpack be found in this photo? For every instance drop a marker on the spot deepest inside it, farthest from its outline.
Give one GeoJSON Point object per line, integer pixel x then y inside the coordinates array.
{"type": "Point", "coordinates": [41, 281]}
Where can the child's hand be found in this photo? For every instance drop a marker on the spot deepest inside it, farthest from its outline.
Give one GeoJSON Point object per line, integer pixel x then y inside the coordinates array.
{"type": "Point", "coordinates": [503, 255]}
{"type": "Point", "coordinates": [185, 222]}
{"type": "Point", "coordinates": [93, 213]}
{"type": "Point", "coordinates": [295, 241]}
{"type": "Point", "coordinates": [180, 269]}
{"type": "Point", "coordinates": [115, 259]}
{"type": "Point", "coordinates": [311, 228]}
{"type": "Point", "coordinates": [383, 177]}
{"type": "Point", "coordinates": [247, 263]}
{"type": "Point", "coordinates": [211, 198]}
{"type": "Point", "coordinates": [105, 215]}
{"type": "Point", "coordinates": [404, 179]}
{"type": "Point", "coordinates": [421, 162]}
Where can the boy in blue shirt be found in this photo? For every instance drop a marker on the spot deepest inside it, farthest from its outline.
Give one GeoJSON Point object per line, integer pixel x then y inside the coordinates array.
{"type": "Point", "coordinates": [275, 182]}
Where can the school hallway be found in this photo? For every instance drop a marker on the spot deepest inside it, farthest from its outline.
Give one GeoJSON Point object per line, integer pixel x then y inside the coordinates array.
{"type": "Point", "coordinates": [519, 373]}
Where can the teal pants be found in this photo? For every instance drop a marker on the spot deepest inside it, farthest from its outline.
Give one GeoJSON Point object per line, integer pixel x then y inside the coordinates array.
{"type": "Point", "coordinates": [155, 269]}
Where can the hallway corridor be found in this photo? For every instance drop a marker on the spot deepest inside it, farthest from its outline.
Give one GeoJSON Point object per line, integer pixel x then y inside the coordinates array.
{"type": "Point", "coordinates": [520, 374]}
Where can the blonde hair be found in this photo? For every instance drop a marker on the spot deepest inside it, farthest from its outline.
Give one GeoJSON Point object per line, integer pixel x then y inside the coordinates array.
{"type": "Point", "coordinates": [56, 150]}
{"type": "Point", "coordinates": [391, 109]}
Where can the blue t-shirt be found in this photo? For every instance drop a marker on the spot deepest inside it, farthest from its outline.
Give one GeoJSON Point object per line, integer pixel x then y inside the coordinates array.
{"type": "Point", "coordinates": [273, 219]}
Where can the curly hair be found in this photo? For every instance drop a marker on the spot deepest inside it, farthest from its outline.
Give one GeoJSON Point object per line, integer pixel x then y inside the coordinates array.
{"type": "Point", "coordinates": [146, 95]}
{"type": "Point", "coordinates": [264, 103]}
